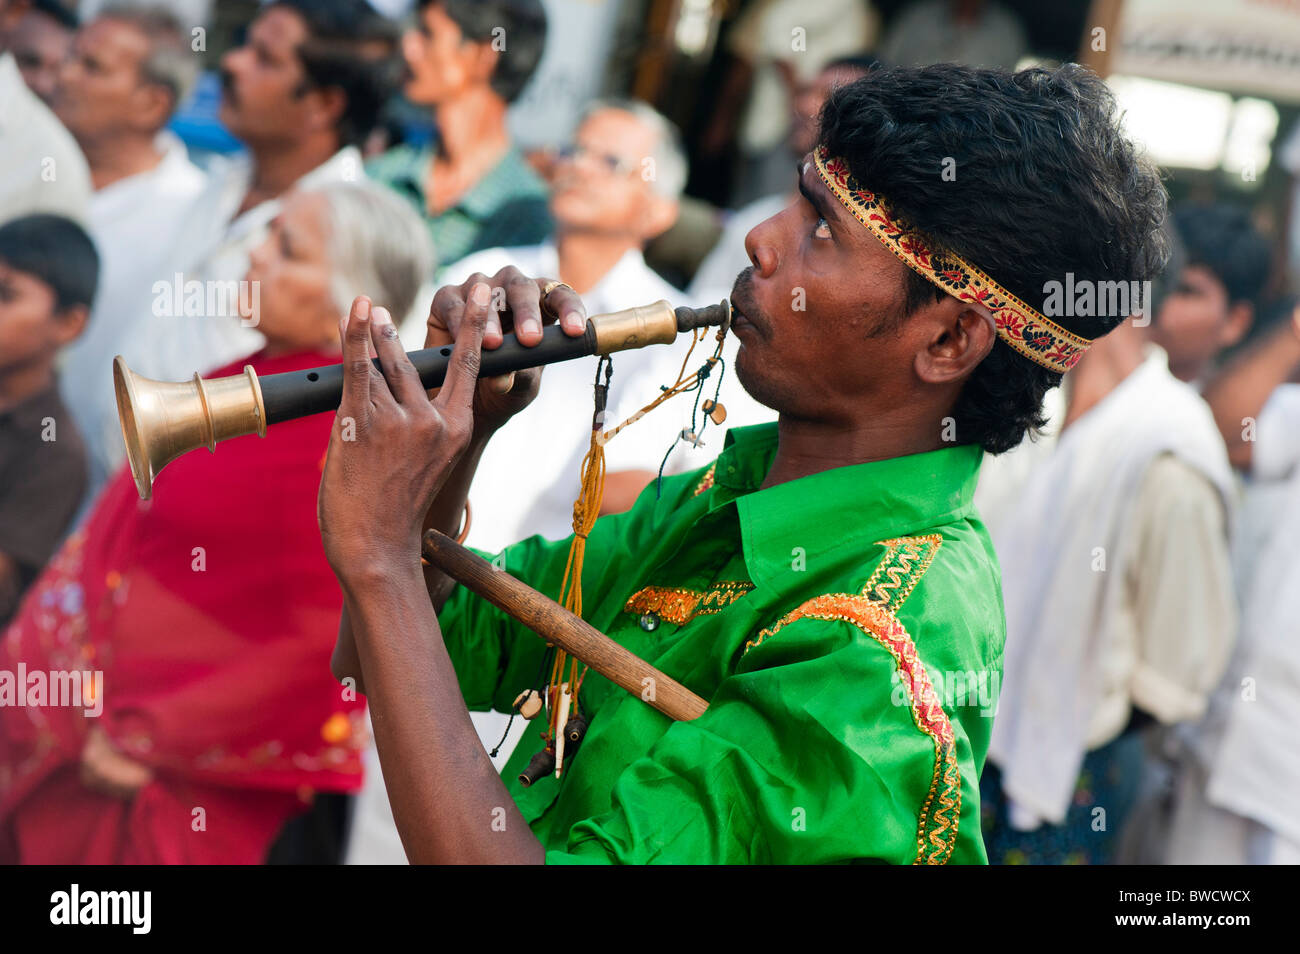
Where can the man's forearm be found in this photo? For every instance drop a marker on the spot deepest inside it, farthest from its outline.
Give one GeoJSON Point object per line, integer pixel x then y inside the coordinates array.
{"type": "Point", "coordinates": [449, 803]}
{"type": "Point", "coordinates": [445, 514]}
{"type": "Point", "coordinates": [1239, 392]}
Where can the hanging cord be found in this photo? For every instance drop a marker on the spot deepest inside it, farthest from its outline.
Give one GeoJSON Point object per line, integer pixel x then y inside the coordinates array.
{"type": "Point", "coordinates": [587, 508]}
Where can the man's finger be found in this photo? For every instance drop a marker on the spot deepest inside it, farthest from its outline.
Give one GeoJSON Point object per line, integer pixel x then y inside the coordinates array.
{"type": "Point", "coordinates": [398, 371]}
{"type": "Point", "coordinates": [356, 359]}
{"type": "Point", "coordinates": [462, 374]}
{"type": "Point", "coordinates": [564, 302]}
{"type": "Point", "coordinates": [524, 304]}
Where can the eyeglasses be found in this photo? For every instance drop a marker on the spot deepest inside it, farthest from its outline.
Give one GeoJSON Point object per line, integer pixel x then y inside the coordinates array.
{"type": "Point", "coordinates": [616, 165]}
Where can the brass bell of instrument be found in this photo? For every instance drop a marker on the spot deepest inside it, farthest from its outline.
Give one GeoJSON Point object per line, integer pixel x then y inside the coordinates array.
{"type": "Point", "coordinates": [162, 420]}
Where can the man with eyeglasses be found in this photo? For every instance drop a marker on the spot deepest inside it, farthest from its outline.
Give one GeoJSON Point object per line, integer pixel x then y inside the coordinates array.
{"type": "Point", "coordinates": [616, 187]}
{"type": "Point", "coordinates": [467, 61]}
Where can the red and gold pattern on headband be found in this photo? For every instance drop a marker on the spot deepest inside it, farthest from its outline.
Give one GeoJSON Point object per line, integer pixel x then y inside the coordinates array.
{"type": "Point", "coordinates": [1037, 338]}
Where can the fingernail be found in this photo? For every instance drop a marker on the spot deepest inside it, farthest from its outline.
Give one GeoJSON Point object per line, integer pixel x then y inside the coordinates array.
{"type": "Point", "coordinates": [480, 294]}
{"type": "Point", "coordinates": [531, 325]}
{"type": "Point", "coordinates": [363, 309]}
{"type": "Point", "coordinates": [382, 317]}
{"type": "Point", "coordinates": [575, 319]}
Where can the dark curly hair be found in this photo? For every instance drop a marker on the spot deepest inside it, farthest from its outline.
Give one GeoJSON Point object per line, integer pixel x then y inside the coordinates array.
{"type": "Point", "coordinates": [1045, 183]}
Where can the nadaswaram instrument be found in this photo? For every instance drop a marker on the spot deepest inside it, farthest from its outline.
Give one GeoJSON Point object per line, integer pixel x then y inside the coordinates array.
{"type": "Point", "coordinates": [162, 420]}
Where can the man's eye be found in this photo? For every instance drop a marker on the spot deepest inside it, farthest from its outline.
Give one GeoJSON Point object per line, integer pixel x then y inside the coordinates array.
{"type": "Point", "coordinates": [823, 229]}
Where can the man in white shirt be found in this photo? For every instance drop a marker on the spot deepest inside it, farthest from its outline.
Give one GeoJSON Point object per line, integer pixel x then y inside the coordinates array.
{"type": "Point", "coordinates": [614, 189]}
{"type": "Point", "coordinates": [1236, 801]}
{"type": "Point", "coordinates": [41, 168]}
{"type": "Point", "coordinates": [1112, 535]}
{"type": "Point", "coordinates": [301, 93]}
{"type": "Point", "coordinates": [128, 72]}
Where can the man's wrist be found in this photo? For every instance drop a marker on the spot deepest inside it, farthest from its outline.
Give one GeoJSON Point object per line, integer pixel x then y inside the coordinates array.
{"type": "Point", "coordinates": [362, 580]}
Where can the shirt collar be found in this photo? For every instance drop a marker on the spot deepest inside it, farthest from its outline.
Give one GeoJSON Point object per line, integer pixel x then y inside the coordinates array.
{"type": "Point", "coordinates": [878, 500]}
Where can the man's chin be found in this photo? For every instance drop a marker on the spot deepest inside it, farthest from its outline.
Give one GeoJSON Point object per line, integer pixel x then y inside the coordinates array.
{"type": "Point", "coordinates": [753, 384]}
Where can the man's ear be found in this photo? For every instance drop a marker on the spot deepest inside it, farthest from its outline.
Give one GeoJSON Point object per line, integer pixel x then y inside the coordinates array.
{"type": "Point", "coordinates": [1241, 316]}
{"type": "Point", "coordinates": [483, 62]}
{"type": "Point", "coordinates": [659, 216]}
{"type": "Point", "coordinates": [69, 323]}
{"type": "Point", "coordinates": [330, 104]}
{"type": "Point", "coordinates": [153, 106]}
{"type": "Point", "coordinates": [957, 338]}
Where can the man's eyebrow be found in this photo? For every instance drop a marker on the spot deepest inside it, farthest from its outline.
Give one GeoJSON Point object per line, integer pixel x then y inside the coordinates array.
{"type": "Point", "coordinates": [816, 201]}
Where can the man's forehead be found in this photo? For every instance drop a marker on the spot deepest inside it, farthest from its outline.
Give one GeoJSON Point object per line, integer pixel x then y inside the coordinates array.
{"type": "Point", "coordinates": [115, 37]}
{"type": "Point", "coordinates": [619, 130]}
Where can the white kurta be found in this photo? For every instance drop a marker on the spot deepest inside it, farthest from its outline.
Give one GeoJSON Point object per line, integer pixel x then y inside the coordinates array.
{"type": "Point", "coordinates": [41, 165]}
{"type": "Point", "coordinates": [1117, 583]}
{"type": "Point", "coordinates": [1236, 800]}
{"type": "Point", "coordinates": [134, 222]}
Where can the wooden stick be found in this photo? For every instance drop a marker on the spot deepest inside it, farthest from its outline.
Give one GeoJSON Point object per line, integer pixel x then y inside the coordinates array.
{"type": "Point", "coordinates": [551, 621]}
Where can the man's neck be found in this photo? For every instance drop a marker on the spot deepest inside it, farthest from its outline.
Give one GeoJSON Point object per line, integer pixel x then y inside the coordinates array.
{"type": "Point", "coordinates": [810, 447]}
{"type": "Point", "coordinates": [472, 129]}
{"type": "Point", "coordinates": [19, 384]}
{"type": "Point", "coordinates": [276, 169]}
{"type": "Point", "coordinates": [1103, 368]}
{"type": "Point", "coordinates": [585, 258]}
{"type": "Point", "coordinates": [120, 157]}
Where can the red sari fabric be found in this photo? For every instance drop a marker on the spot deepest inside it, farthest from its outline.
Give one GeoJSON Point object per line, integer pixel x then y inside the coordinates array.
{"type": "Point", "coordinates": [212, 613]}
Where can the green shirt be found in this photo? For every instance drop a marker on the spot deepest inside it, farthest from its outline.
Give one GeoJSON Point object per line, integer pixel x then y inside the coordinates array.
{"type": "Point", "coordinates": [846, 629]}
{"type": "Point", "coordinates": [505, 208]}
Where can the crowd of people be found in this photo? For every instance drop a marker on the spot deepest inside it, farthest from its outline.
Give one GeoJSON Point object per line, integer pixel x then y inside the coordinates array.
{"type": "Point", "coordinates": [1140, 506]}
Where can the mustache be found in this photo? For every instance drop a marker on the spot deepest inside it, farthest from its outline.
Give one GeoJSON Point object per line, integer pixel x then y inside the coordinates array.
{"type": "Point", "coordinates": [228, 86]}
{"type": "Point", "coordinates": [742, 297]}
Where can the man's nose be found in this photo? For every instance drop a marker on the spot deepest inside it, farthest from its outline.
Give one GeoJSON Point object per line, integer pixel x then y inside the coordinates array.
{"type": "Point", "coordinates": [231, 60]}
{"type": "Point", "coordinates": [761, 252]}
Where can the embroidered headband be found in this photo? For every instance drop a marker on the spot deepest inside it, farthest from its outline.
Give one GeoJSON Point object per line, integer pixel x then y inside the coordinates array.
{"type": "Point", "coordinates": [1037, 338]}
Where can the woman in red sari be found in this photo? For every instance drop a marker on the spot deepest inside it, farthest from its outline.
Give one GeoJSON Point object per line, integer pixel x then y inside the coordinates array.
{"type": "Point", "coordinates": [210, 610]}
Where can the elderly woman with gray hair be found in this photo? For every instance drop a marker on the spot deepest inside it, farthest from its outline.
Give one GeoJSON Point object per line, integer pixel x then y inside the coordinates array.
{"type": "Point", "coordinates": [201, 622]}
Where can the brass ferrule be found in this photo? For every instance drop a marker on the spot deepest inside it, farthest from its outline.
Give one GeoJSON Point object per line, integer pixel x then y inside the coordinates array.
{"type": "Point", "coordinates": [635, 327]}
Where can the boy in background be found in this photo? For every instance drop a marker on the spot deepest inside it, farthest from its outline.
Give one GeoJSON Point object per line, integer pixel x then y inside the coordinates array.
{"type": "Point", "coordinates": [48, 271]}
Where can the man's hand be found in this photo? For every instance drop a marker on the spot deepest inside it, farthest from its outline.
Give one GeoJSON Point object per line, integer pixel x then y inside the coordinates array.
{"type": "Point", "coordinates": [516, 305]}
{"type": "Point", "coordinates": [392, 448]}
{"type": "Point", "coordinates": [105, 769]}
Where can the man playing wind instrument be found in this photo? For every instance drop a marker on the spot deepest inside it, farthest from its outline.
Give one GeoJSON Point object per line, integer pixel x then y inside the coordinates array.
{"type": "Point", "coordinates": [825, 584]}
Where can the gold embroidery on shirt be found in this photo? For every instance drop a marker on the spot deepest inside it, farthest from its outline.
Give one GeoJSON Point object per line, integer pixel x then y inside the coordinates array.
{"type": "Point", "coordinates": [707, 480]}
{"type": "Point", "coordinates": [905, 561]}
{"type": "Point", "coordinates": [940, 814]}
{"type": "Point", "coordinates": [680, 606]}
